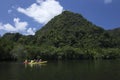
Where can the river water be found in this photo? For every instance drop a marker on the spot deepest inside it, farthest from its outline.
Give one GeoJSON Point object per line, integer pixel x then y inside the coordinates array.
{"type": "Point", "coordinates": [62, 70]}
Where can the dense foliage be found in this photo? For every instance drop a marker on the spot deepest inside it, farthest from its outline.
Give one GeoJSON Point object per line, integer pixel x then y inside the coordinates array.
{"type": "Point", "coordinates": [67, 36]}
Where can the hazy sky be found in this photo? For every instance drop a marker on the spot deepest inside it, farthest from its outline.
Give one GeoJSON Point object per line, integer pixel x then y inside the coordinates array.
{"type": "Point", "coordinates": [27, 16]}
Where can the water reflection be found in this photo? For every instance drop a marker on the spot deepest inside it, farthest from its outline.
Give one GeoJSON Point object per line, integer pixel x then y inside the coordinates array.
{"type": "Point", "coordinates": [66, 70]}
{"type": "Point", "coordinates": [34, 65]}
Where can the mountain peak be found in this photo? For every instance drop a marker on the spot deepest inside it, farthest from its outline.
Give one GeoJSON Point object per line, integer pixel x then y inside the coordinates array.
{"type": "Point", "coordinates": [71, 29]}
{"type": "Point", "coordinates": [69, 13]}
{"type": "Point", "coordinates": [68, 19]}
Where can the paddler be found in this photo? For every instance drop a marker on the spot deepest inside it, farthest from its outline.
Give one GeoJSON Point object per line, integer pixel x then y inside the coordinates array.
{"type": "Point", "coordinates": [31, 61]}
{"type": "Point", "coordinates": [26, 61]}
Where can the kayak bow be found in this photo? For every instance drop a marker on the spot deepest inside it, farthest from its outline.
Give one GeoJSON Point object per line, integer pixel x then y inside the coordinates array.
{"type": "Point", "coordinates": [42, 62]}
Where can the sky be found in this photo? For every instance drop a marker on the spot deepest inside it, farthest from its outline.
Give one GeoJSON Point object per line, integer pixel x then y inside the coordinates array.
{"type": "Point", "coordinates": [28, 16]}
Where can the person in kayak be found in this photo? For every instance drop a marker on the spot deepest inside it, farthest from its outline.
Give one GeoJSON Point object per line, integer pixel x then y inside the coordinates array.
{"type": "Point", "coordinates": [26, 61]}
{"type": "Point", "coordinates": [40, 60]}
{"type": "Point", "coordinates": [32, 61]}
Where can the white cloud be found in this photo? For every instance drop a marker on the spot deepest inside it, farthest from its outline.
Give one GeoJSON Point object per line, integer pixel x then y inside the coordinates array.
{"type": "Point", "coordinates": [107, 1]}
{"type": "Point", "coordinates": [43, 10]}
{"type": "Point", "coordinates": [40, 1]}
{"type": "Point", "coordinates": [31, 31]}
{"type": "Point", "coordinates": [18, 26]}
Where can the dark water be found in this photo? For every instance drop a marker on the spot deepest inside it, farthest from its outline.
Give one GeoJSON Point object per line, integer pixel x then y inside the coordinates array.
{"type": "Point", "coordinates": [68, 70]}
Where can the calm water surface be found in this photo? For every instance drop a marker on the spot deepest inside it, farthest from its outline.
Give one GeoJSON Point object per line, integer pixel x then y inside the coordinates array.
{"type": "Point", "coordinates": [68, 70]}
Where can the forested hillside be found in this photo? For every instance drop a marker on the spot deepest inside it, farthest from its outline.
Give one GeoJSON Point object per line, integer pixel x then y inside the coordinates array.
{"type": "Point", "coordinates": [115, 34]}
{"type": "Point", "coordinates": [66, 36]}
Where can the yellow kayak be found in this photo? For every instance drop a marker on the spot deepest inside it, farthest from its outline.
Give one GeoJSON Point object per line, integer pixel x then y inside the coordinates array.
{"type": "Point", "coordinates": [42, 62]}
